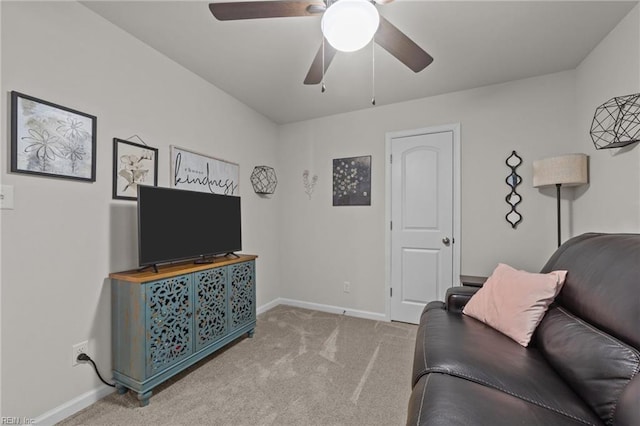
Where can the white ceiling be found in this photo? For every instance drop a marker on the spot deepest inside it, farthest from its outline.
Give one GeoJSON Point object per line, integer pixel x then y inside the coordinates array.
{"type": "Point", "coordinates": [262, 62]}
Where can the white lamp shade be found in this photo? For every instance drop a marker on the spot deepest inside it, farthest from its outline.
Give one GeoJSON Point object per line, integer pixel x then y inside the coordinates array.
{"type": "Point", "coordinates": [349, 25]}
{"type": "Point", "coordinates": [566, 170]}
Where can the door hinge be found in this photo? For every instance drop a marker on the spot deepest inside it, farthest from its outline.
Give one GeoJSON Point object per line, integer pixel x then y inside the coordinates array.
{"type": "Point", "coordinates": [391, 158]}
{"type": "Point", "coordinates": [391, 292]}
{"type": "Point", "coordinates": [391, 225]}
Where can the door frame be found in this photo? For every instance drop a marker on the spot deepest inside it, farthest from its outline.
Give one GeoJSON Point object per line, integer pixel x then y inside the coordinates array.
{"type": "Point", "coordinates": [389, 136]}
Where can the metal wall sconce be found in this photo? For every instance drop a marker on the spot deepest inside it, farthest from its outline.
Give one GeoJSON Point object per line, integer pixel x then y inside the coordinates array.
{"type": "Point", "coordinates": [616, 123]}
{"type": "Point", "coordinates": [263, 179]}
{"type": "Point", "coordinates": [513, 198]}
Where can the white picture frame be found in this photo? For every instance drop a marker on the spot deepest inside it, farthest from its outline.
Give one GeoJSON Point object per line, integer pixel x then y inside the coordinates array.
{"type": "Point", "coordinates": [198, 172]}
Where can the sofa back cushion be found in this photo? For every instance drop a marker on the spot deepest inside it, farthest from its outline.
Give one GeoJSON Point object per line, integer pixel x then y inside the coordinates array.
{"type": "Point", "coordinates": [603, 283]}
{"type": "Point", "coordinates": [597, 366]}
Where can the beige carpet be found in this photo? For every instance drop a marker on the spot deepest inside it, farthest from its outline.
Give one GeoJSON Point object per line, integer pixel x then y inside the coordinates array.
{"type": "Point", "coordinates": [301, 368]}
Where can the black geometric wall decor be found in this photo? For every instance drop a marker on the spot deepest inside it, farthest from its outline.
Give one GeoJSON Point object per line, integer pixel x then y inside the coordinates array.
{"type": "Point", "coordinates": [263, 179]}
{"type": "Point", "coordinates": [513, 198]}
{"type": "Point", "coordinates": [616, 123]}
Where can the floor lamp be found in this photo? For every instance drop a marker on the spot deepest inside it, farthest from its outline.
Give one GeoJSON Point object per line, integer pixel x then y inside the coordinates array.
{"type": "Point", "coordinates": [566, 170]}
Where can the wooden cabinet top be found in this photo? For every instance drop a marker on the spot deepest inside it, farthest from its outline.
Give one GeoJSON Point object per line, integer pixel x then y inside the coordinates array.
{"type": "Point", "coordinates": [174, 269]}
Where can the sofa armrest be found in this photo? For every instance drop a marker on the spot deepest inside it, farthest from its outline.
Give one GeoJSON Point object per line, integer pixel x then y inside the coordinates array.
{"type": "Point", "coordinates": [472, 280]}
{"type": "Point", "coordinates": [457, 297]}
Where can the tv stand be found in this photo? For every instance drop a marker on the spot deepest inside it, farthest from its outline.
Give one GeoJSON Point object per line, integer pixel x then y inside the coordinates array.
{"type": "Point", "coordinates": [144, 268]}
{"type": "Point", "coordinates": [203, 260]}
{"type": "Point", "coordinates": [164, 322]}
{"type": "Point", "coordinates": [232, 254]}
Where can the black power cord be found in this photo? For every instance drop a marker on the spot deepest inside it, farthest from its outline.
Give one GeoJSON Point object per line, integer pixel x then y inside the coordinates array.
{"type": "Point", "coordinates": [85, 357]}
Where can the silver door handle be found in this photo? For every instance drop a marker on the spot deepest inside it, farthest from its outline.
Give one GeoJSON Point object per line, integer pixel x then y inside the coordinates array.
{"type": "Point", "coordinates": [446, 241]}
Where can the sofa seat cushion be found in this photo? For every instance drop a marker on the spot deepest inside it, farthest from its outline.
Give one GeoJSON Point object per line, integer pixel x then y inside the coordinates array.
{"type": "Point", "coordinates": [464, 347]}
{"type": "Point", "coordinates": [443, 400]}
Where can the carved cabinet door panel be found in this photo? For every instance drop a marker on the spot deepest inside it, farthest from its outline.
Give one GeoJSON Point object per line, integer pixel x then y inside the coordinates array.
{"type": "Point", "coordinates": [169, 319]}
{"type": "Point", "coordinates": [242, 287]}
{"type": "Point", "coordinates": [211, 318]}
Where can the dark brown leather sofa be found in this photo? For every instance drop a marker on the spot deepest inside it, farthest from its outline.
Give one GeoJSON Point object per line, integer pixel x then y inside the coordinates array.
{"type": "Point", "coordinates": [581, 367]}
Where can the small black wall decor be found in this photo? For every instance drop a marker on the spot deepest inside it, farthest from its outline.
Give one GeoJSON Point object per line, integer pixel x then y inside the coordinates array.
{"type": "Point", "coordinates": [352, 181]}
{"type": "Point", "coordinates": [513, 198]}
{"type": "Point", "coordinates": [616, 123]}
{"type": "Point", "coordinates": [264, 180]}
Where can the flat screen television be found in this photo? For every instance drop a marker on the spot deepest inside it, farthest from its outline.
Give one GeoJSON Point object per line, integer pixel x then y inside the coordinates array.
{"type": "Point", "coordinates": [176, 224]}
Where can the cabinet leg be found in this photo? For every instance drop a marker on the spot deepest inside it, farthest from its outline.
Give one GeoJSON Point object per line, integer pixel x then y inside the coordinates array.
{"type": "Point", "coordinates": [121, 389]}
{"type": "Point", "coordinates": [143, 397]}
{"type": "Point", "coordinates": [250, 333]}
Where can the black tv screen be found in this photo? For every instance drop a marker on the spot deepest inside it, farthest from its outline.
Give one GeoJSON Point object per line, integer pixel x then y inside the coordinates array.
{"type": "Point", "coordinates": [175, 224]}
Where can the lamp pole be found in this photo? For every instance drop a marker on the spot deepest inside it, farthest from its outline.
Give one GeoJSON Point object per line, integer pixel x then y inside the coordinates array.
{"type": "Point", "coordinates": [558, 185]}
{"type": "Point", "coordinates": [567, 170]}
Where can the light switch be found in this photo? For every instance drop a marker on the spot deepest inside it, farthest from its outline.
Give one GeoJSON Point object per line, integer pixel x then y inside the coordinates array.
{"type": "Point", "coordinates": [6, 197]}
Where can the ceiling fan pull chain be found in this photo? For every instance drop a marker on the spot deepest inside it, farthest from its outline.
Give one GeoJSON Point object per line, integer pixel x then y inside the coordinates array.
{"type": "Point", "coordinates": [373, 73]}
{"type": "Point", "coordinates": [323, 87]}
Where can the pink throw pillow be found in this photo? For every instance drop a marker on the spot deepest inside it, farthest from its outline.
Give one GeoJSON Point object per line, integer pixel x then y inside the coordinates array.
{"type": "Point", "coordinates": [514, 302]}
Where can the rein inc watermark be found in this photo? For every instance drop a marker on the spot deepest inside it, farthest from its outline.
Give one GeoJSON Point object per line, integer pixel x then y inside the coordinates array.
{"type": "Point", "coordinates": [17, 421]}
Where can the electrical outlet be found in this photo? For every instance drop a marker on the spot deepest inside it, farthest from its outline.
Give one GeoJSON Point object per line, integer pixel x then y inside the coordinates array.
{"type": "Point", "coordinates": [77, 349]}
{"type": "Point", "coordinates": [347, 287]}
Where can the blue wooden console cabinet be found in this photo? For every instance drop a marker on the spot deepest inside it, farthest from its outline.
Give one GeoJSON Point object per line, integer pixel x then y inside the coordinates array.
{"type": "Point", "coordinates": [163, 322]}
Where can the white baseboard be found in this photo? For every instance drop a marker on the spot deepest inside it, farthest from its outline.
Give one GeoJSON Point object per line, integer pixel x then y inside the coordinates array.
{"type": "Point", "coordinates": [69, 408]}
{"type": "Point", "coordinates": [268, 306]}
{"type": "Point", "coordinates": [83, 401]}
{"type": "Point", "coordinates": [333, 309]}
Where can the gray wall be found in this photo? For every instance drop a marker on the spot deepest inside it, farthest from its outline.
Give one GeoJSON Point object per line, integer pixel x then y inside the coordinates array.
{"type": "Point", "coordinates": [323, 246]}
{"type": "Point", "coordinates": [63, 238]}
{"type": "Point", "coordinates": [611, 202]}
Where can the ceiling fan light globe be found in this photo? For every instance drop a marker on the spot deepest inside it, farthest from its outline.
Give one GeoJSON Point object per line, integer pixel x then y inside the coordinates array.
{"type": "Point", "coordinates": [349, 25]}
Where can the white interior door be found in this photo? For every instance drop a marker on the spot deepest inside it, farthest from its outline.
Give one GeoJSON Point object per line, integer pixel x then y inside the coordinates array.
{"type": "Point", "coordinates": [422, 215]}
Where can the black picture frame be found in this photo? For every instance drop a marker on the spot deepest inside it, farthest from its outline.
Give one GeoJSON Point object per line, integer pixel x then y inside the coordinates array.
{"type": "Point", "coordinates": [52, 140]}
{"type": "Point", "coordinates": [352, 181]}
{"type": "Point", "coordinates": [132, 165]}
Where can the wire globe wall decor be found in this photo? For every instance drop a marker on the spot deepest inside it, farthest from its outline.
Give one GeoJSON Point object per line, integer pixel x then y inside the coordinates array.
{"type": "Point", "coordinates": [616, 123]}
{"type": "Point", "coordinates": [263, 179]}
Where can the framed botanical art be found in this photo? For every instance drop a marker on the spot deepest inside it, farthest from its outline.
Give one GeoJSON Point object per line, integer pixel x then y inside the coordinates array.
{"type": "Point", "coordinates": [352, 181]}
{"type": "Point", "coordinates": [133, 164]}
{"type": "Point", "coordinates": [52, 140]}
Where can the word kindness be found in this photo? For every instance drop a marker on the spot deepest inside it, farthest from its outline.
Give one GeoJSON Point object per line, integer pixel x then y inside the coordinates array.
{"type": "Point", "coordinates": [190, 176]}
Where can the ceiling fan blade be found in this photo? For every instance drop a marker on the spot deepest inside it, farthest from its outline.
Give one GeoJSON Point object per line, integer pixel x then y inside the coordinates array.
{"type": "Point", "coordinates": [314, 76]}
{"type": "Point", "coordinates": [265, 9]}
{"type": "Point", "coordinates": [402, 47]}
{"type": "Point", "coordinates": [383, 1]}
